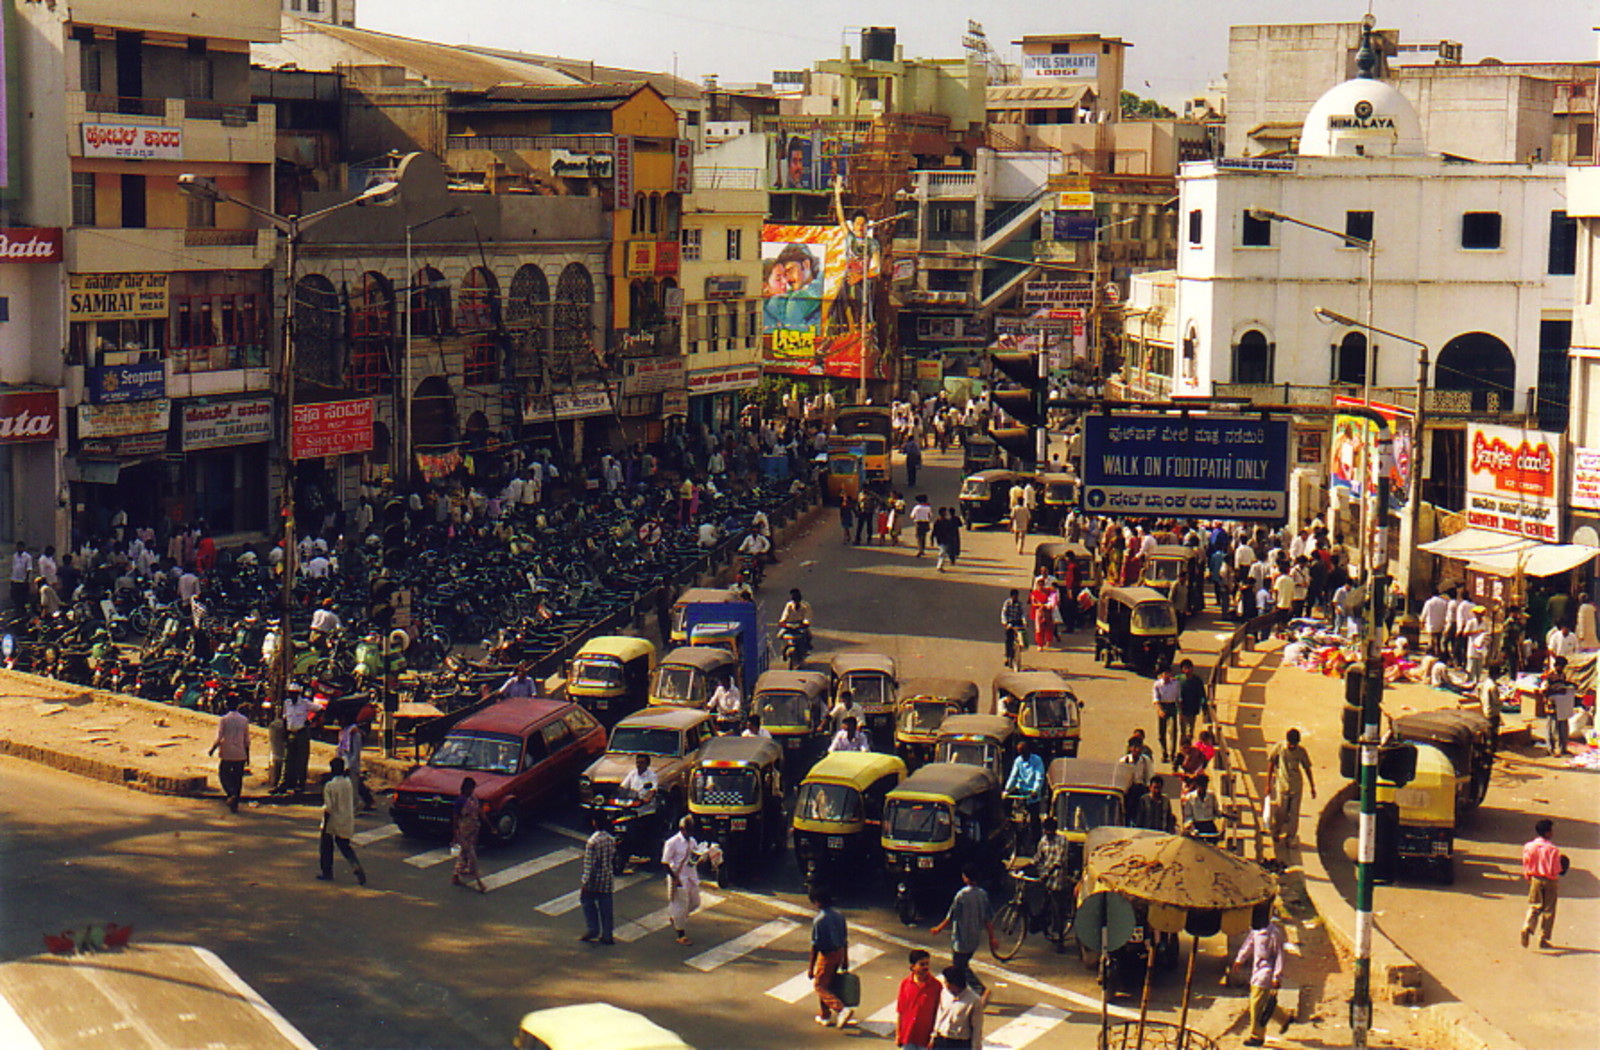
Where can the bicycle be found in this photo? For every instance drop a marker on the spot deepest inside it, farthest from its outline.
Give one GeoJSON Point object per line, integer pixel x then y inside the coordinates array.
{"type": "Point", "coordinates": [1019, 916]}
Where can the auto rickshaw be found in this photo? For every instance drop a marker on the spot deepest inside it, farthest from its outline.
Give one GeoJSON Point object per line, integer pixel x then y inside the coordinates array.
{"type": "Point", "coordinates": [793, 708]}
{"type": "Point", "coordinates": [920, 708]}
{"type": "Point", "coordinates": [688, 674]}
{"type": "Point", "coordinates": [1058, 495]}
{"type": "Point", "coordinates": [697, 596]}
{"type": "Point", "coordinates": [941, 818]}
{"type": "Point", "coordinates": [1049, 715]}
{"type": "Point", "coordinates": [1464, 738]}
{"type": "Point", "coordinates": [610, 676]}
{"type": "Point", "coordinates": [838, 813]}
{"type": "Point", "coordinates": [1178, 572]}
{"type": "Point", "coordinates": [1065, 559]}
{"type": "Point", "coordinates": [1427, 815]}
{"type": "Point", "coordinates": [736, 796]}
{"type": "Point", "coordinates": [978, 740]}
{"type": "Point", "coordinates": [871, 680]}
{"type": "Point", "coordinates": [1136, 625]}
{"type": "Point", "coordinates": [1084, 795]}
{"type": "Point", "coordinates": [583, 1026]}
{"type": "Point", "coordinates": [980, 453]}
{"type": "Point", "coordinates": [986, 497]}
{"type": "Point", "coordinates": [847, 473]}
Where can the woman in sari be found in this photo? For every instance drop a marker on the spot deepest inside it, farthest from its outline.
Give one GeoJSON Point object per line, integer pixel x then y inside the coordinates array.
{"type": "Point", "coordinates": [465, 824]}
{"type": "Point", "coordinates": [1043, 602]}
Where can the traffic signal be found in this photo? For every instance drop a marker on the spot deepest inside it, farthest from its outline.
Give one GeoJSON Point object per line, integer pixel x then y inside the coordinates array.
{"type": "Point", "coordinates": [1027, 403]}
{"type": "Point", "coordinates": [1351, 720]}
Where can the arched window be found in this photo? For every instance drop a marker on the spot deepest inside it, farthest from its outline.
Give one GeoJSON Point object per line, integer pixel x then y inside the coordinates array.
{"type": "Point", "coordinates": [528, 308]}
{"type": "Point", "coordinates": [371, 332]}
{"type": "Point", "coordinates": [573, 313]}
{"type": "Point", "coordinates": [478, 318]}
{"type": "Point", "coordinates": [1480, 363]}
{"type": "Point", "coordinates": [643, 311]}
{"type": "Point", "coordinates": [318, 329]}
{"type": "Point", "coordinates": [1350, 360]}
{"type": "Point", "coordinates": [1252, 359]}
{"type": "Point", "coordinates": [430, 303]}
{"type": "Point", "coordinates": [639, 212]}
{"type": "Point", "coordinates": [655, 213]}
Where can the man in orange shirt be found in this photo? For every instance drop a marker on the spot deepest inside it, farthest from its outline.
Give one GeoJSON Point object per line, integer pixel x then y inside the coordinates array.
{"type": "Point", "coordinates": [1542, 866]}
{"type": "Point", "coordinates": [918, 1004]}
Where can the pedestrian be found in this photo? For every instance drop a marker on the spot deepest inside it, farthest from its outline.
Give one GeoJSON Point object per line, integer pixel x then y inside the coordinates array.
{"type": "Point", "coordinates": [1559, 697]}
{"type": "Point", "coordinates": [1021, 522]}
{"type": "Point", "coordinates": [298, 710]}
{"type": "Point", "coordinates": [1014, 623]}
{"type": "Point", "coordinates": [1164, 694]}
{"type": "Point", "coordinates": [913, 454]}
{"type": "Point", "coordinates": [922, 521]}
{"type": "Point", "coordinates": [866, 516]}
{"type": "Point", "coordinates": [681, 855]}
{"type": "Point", "coordinates": [955, 535]}
{"type": "Point", "coordinates": [1200, 811]}
{"type": "Point", "coordinates": [338, 822]}
{"type": "Point", "coordinates": [520, 686]}
{"type": "Point", "coordinates": [1435, 611]}
{"type": "Point", "coordinates": [959, 1022]}
{"type": "Point", "coordinates": [1285, 764]}
{"type": "Point", "coordinates": [1154, 811]}
{"type": "Point", "coordinates": [970, 916]}
{"type": "Point", "coordinates": [1137, 759]}
{"type": "Point", "coordinates": [233, 741]}
{"type": "Point", "coordinates": [466, 824]}
{"type": "Point", "coordinates": [597, 883]}
{"type": "Point", "coordinates": [352, 738]}
{"type": "Point", "coordinates": [1542, 865]}
{"type": "Point", "coordinates": [1042, 604]}
{"type": "Point", "coordinates": [641, 786]}
{"type": "Point", "coordinates": [941, 539]}
{"type": "Point", "coordinates": [1263, 952]}
{"type": "Point", "coordinates": [830, 957]}
{"type": "Point", "coordinates": [847, 515]}
{"type": "Point", "coordinates": [917, 1006]}
{"type": "Point", "coordinates": [1191, 699]}
{"type": "Point", "coordinates": [21, 572]}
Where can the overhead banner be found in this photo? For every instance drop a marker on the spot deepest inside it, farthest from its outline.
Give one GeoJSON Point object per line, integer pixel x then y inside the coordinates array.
{"type": "Point", "coordinates": [132, 142]}
{"type": "Point", "coordinates": [116, 296]}
{"type": "Point", "coordinates": [1186, 467]}
{"type": "Point", "coordinates": [333, 428]}
{"type": "Point", "coordinates": [1352, 436]}
{"type": "Point", "coordinates": [812, 310]}
{"type": "Point", "coordinates": [226, 423]}
{"type": "Point", "coordinates": [1514, 481]}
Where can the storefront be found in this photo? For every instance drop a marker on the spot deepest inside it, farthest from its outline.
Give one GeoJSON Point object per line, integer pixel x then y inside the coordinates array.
{"type": "Point", "coordinates": [571, 420]}
{"type": "Point", "coordinates": [30, 427]}
{"type": "Point", "coordinates": [225, 462]}
{"type": "Point", "coordinates": [715, 394]}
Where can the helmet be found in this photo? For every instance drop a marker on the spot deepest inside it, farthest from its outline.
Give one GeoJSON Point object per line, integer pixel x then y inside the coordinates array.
{"type": "Point", "coordinates": [399, 639]}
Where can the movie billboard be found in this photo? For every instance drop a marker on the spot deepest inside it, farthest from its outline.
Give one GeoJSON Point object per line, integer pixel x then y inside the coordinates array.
{"type": "Point", "coordinates": [810, 160]}
{"type": "Point", "coordinates": [813, 303]}
{"type": "Point", "coordinates": [1351, 436]}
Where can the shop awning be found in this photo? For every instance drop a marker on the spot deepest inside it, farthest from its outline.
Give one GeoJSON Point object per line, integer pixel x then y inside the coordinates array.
{"type": "Point", "coordinates": [1480, 545]}
{"type": "Point", "coordinates": [1546, 559]}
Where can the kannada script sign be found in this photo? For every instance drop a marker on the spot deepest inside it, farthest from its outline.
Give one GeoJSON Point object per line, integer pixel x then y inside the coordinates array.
{"type": "Point", "coordinates": [1195, 467]}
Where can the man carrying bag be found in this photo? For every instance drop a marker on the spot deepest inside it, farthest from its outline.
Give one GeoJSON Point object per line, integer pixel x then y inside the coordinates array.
{"type": "Point", "coordinates": [838, 991]}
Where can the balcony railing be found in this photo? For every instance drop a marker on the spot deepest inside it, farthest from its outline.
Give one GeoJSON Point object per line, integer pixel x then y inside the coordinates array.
{"type": "Point", "coordinates": [498, 143]}
{"type": "Point", "coordinates": [1440, 402]}
{"type": "Point", "coordinates": [729, 178]}
{"type": "Point", "coordinates": [209, 238]}
{"type": "Point", "coordinates": [233, 114]}
{"type": "Point", "coordinates": [101, 102]}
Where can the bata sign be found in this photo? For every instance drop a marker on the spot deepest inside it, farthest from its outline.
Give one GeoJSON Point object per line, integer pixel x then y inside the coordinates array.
{"type": "Point", "coordinates": [1513, 481]}
{"type": "Point", "coordinates": [29, 416]}
{"type": "Point", "coordinates": [333, 428]}
{"type": "Point", "coordinates": [38, 244]}
{"type": "Point", "coordinates": [130, 142]}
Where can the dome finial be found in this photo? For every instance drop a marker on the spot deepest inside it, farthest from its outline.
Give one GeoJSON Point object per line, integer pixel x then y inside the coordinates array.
{"type": "Point", "coordinates": [1366, 58]}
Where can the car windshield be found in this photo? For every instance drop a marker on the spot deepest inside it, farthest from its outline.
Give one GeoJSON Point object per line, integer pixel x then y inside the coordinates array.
{"type": "Point", "coordinates": [828, 802]}
{"type": "Point", "coordinates": [870, 689]}
{"type": "Point", "coordinates": [723, 787]}
{"type": "Point", "coordinates": [974, 488]}
{"type": "Point", "coordinates": [782, 709]}
{"type": "Point", "coordinates": [844, 467]}
{"type": "Point", "coordinates": [1163, 570]}
{"type": "Point", "coordinates": [648, 740]}
{"type": "Point", "coordinates": [1085, 811]}
{"type": "Point", "coordinates": [604, 671]}
{"type": "Point", "coordinates": [1154, 616]}
{"type": "Point", "coordinates": [924, 717]}
{"type": "Point", "coordinates": [486, 752]}
{"type": "Point", "coordinates": [964, 752]}
{"type": "Point", "coordinates": [680, 685]}
{"type": "Point", "coordinates": [917, 821]}
{"type": "Point", "coordinates": [1048, 711]}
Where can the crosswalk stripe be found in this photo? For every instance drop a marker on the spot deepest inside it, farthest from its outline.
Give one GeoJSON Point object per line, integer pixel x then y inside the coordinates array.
{"type": "Point", "coordinates": [659, 919]}
{"type": "Point", "coordinates": [570, 901]}
{"type": "Point", "coordinates": [882, 1023]}
{"type": "Point", "coordinates": [377, 834]}
{"type": "Point", "coordinates": [430, 858]}
{"type": "Point", "coordinates": [742, 945]}
{"type": "Point", "coordinates": [557, 829]}
{"type": "Point", "coordinates": [530, 868]}
{"type": "Point", "coordinates": [799, 986]}
{"type": "Point", "coordinates": [1023, 1030]}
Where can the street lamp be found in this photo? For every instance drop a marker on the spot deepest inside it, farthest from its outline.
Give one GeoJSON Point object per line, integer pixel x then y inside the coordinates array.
{"type": "Point", "coordinates": [1372, 706]}
{"type": "Point", "coordinates": [411, 289]}
{"type": "Point", "coordinates": [291, 226]}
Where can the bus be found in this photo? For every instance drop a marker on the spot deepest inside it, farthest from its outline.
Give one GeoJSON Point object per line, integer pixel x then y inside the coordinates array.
{"type": "Point", "coordinates": [870, 427]}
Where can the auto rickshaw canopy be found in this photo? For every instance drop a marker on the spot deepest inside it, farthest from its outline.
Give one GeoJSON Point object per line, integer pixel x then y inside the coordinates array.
{"type": "Point", "coordinates": [622, 647]}
{"type": "Point", "coordinates": [1088, 774]}
{"type": "Point", "coordinates": [862, 663]}
{"type": "Point", "coordinates": [1172, 873]}
{"type": "Point", "coordinates": [740, 751]}
{"type": "Point", "coordinates": [995, 728]}
{"type": "Point", "coordinates": [857, 769]}
{"type": "Point", "coordinates": [700, 657]}
{"type": "Point", "coordinates": [1151, 612]}
{"type": "Point", "coordinates": [945, 782]}
{"type": "Point", "coordinates": [959, 691]}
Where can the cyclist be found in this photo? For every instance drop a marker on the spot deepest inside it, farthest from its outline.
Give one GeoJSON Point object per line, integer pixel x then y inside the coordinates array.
{"type": "Point", "coordinates": [1050, 865]}
{"type": "Point", "coordinates": [1013, 619]}
{"type": "Point", "coordinates": [1025, 786]}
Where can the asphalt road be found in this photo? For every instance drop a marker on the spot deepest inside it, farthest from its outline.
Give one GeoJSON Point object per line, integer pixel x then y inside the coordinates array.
{"type": "Point", "coordinates": [411, 961]}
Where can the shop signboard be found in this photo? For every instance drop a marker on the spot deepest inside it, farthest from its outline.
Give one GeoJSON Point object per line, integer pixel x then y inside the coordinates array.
{"type": "Point", "coordinates": [1074, 225]}
{"type": "Point", "coordinates": [811, 309]}
{"type": "Point", "coordinates": [225, 423]}
{"type": "Point", "coordinates": [1514, 481]}
{"type": "Point", "coordinates": [652, 375]}
{"type": "Point", "coordinates": [145, 381]}
{"type": "Point", "coordinates": [683, 166]}
{"type": "Point", "coordinates": [572, 404]}
{"type": "Point", "coordinates": [666, 258]}
{"type": "Point", "coordinates": [116, 296]}
{"type": "Point", "coordinates": [128, 446]}
{"type": "Point", "coordinates": [1060, 67]}
{"type": "Point", "coordinates": [721, 380]}
{"type": "Point", "coordinates": [641, 257]}
{"type": "Point", "coordinates": [622, 174]}
{"type": "Point", "coordinates": [31, 244]}
{"type": "Point", "coordinates": [29, 415]}
{"type": "Point", "coordinates": [1187, 467]}
{"type": "Point", "coordinates": [725, 287]}
{"type": "Point", "coordinates": [1075, 200]}
{"type": "Point", "coordinates": [566, 164]}
{"type": "Point", "coordinates": [124, 417]}
{"type": "Point", "coordinates": [1585, 494]}
{"type": "Point", "coordinates": [674, 402]}
{"type": "Point", "coordinates": [333, 428]}
{"type": "Point", "coordinates": [132, 142]}
{"type": "Point", "coordinates": [1057, 294]}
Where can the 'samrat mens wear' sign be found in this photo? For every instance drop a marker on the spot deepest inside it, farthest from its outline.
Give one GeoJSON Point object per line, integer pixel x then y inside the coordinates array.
{"type": "Point", "coordinates": [333, 428]}
{"type": "Point", "coordinates": [1513, 481]}
{"type": "Point", "coordinates": [1186, 467]}
{"type": "Point", "coordinates": [116, 296]}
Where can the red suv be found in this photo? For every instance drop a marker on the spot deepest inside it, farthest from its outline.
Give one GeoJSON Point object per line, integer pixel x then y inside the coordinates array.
{"type": "Point", "coordinates": [520, 752]}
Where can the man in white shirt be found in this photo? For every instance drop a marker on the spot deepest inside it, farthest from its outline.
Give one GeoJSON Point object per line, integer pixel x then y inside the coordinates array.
{"type": "Point", "coordinates": [1561, 642]}
{"type": "Point", "coordinates": [922, 521]}
{"type": "Point", "coordinates": [846, 709]}
{"type": "Point", "coordinates": [850, 737]}
{"type": "Point", "coordinates": [513, 491]}
{"type": "Point", "coordinates": [318, 567]}
{"type": "Point", "coordinates": [21, 571]}
{"type": "Point", "coordinates": [1435, 616]}
{"type": "Point", "coordinates": [324, 622]}
{"type": "Point", "coordinates": [709, 534]}
{"type": "Point", "coordinates": [297, 711]}
{"type": "Point", "coordinates": [188, 587]}
{"type": "Point", "coordinates": [1244, 556]}
{"type": "Point", "coordinates": [1463, 614]}
{"type": "Point", "coordinates": [727, 702]}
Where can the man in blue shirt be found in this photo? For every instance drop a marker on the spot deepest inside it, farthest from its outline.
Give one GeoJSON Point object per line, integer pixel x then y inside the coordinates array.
{"type": "Point", "coordinates": [1026, 784]}
{"type": "Point", "coordinates": [970, 917]}
{"type": "Point", "coordinates": [829, 947]}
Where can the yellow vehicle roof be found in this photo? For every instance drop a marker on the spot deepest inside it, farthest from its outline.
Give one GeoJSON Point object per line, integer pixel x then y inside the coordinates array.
{"type": "Point", "coordinates": [622, 647]}
{"type": "Point", "coordinates": [598, 1026]}
{"type": "Point", "coordinates": [853, 663]}
{"type": "Point", "coordinates": [811, 683]}
{"type": "Point", "coordinates": [1089, 775]}
{"type": "Point", "coordinates": [990, 727]}
{"type": "Point", "coordinates": [946, 780]}
{"type": "Point", "coordinates": [700, 657]}
{"type": "Point", "coordinates": [951, 690]}
{"type": "Point", "coordinates": [740, 749]}
{"type": "Point", "coordinates": [1023, 683]}
{"type": "Point", "coordinates": [859, 768]}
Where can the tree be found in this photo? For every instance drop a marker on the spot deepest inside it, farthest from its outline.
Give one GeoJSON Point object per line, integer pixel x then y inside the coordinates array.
{"type": "Point", "coordinates": [1148, 108]}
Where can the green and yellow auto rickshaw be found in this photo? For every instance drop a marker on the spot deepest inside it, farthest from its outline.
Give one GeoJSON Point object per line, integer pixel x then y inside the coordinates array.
{"type": "Point", "coordinates": [1084, 795]}
{"type": "Point", "coordinates": [687, 676]}
{"type": "Point", "coordinates": [1049, 714]}
{"type": "Point", "coordinates": [1427, 809]}
{"type": "Point", "coordinates": [871, 680]}
{"type": "Point", "coordinates": [610, 676]}
{"type": "Point", "coordinates": [986, 497]}
{"type": "Point", "coordinates": [978, 740]}
{"type": "Point", "coordinates": [1058, 494]}
{"type": "Point", "coordinates": [838, 814]}
{"type": "Point", "coordinates": [1464, 738]}
{"type": "Point", "coordinates": [941, 818]}
{"type": "Point", "coordinates": [1178, 573]}
{"type": "Point", "coordinates": [1136, 625]}
{"type": "Point", "coordinates": [793, 708]}
{"type": "Point", "coordinates": [921, 706]}
{"type": "Point", "coordinates": [736, 797]}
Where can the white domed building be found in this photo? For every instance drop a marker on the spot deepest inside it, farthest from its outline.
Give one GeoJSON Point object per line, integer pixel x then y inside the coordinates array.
{"type": "Point", "coordinates": [1473, 259]}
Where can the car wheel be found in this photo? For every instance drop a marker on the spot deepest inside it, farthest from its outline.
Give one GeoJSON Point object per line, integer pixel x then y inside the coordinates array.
{"type": "Point", "coordinates": [506, 824]}
{"type": "Point", "coordinates": [409, 828]}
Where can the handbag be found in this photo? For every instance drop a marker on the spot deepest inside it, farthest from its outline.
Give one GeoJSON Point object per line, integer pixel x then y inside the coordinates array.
{"type": "Point", "coordinates": [847, 986]}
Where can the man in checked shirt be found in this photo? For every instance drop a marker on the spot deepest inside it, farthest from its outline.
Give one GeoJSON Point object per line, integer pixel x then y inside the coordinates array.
{"type": "Point", "coordinates": [595, 888]}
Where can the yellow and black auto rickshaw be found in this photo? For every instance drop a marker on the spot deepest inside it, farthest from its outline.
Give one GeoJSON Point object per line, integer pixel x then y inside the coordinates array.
{"type": "Point", "coordinates": [1058, 494]}
{"type": "Point", "coordinates": [847, 471]}
{"type": "Point", "coordinates": [736, 796]}
{"type": "Point", "coordinates": [1179, 574]}
{"type": "Point", "coordinates": [1049, 714]}
{"type": "Point", "coordinates": [1464, 738]}
{"type": "Point", "coordinates": [687, 676]}
{"type": "Point", "coordinates": [920, 708]}
{"type": "Point", "coordinates": [838, 814]}
{"type": "Point", "coordinates": [871, 680]}
{"type": "Point", "coordinates": [793, 708]}
{"type": "Point", "coordinates": [980, 453]}
{"type": "Point", "coordinates": [1065, 560]}
{"type": "Point", "coordinates": [986, 497]}
{"type": "Point", "coordinates": [978, 740]}
{"type": "Point", "coordinates": [611, 676]}
{"type": "Point", "coordinates": [941, 818]}
{"type": "Point", "coordinates": [1426, 811]}
{"type": "Point", "coordinates": [1084, 795]}
{"type": "Point", "coordinates": [1136, 625]}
